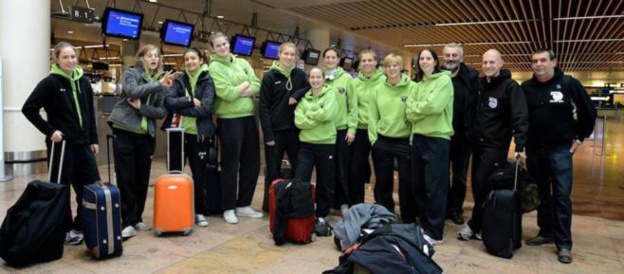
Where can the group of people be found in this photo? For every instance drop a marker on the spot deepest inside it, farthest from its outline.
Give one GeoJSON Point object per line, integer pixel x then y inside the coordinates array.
{"type": "Point", "coordinates": [427, 128]}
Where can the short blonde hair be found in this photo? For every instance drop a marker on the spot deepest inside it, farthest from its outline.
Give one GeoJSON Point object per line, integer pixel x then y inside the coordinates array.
{"type": "Point", "coordinates": [393, 59]}
{"type": "Point", "coordinates": [216, 35]}
{"type": "Point", "coordinates": [285, 45]}
{"type": "Point", "coordinates": [368, 51]}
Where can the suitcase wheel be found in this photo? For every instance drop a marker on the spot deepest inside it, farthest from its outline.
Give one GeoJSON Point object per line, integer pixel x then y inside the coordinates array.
{"type": "Point", "coordinates": [159, 232]}
{"type": "Point", "coordinates": [313, 237]}
{"type": "Point", "coordinates": [187, 231]}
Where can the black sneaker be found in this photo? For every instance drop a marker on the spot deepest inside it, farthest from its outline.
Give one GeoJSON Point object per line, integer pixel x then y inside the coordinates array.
{"type": "Point", "coordinates": [322, 228]}
{"type": "Point", "coordinates": [456, 218]}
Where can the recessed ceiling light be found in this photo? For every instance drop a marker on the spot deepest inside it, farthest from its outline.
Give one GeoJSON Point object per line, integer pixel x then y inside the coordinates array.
{"type": "Point", "coordinates": [70, 31]}
{"type": "Point", "coordinates": [125, 39]}
{"type": "Point", "coordinates": [220, 16]}
{"type": "Point", "coordinates": [160, 22]}
{"type": "Point", "coordinates": [153, 1]}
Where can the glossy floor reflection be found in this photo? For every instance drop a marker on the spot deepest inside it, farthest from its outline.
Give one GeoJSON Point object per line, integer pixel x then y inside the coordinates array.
{"type": "Point", "coordinates": [598, 231]}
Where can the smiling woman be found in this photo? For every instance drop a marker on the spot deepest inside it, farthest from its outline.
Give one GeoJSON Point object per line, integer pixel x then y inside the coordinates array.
{"type": "Point", "coordinates": [67, 98]}
{"type": "Point", "coordinates": [235, 86]}
{"type": "Point", "coordinates": [277, 116]}
{"type": "Point", "coordinates": [430, 112]}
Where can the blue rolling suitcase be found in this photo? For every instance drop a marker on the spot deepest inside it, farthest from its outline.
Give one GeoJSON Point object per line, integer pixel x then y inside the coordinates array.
{"type": "Point", "coordinates": [101, 218]}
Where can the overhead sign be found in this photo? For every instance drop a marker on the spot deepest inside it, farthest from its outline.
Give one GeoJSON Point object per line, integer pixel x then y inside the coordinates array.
{"type": "Point", "coordinates": [82, 14]}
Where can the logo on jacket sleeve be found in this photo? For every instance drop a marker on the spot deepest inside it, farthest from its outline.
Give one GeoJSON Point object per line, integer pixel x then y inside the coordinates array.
{"type": "Point", "coordinates": [342, 90]}
{"type": "Point", "coordinates": [403, 98]}
{"type": "Point", "coordinates": [492, 102]}
{"type": "Point", "coordinates": [557, 97]}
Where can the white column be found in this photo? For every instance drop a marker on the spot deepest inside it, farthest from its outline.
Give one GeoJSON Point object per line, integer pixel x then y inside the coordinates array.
{"type": "Point", "coordinates": [24, 49]}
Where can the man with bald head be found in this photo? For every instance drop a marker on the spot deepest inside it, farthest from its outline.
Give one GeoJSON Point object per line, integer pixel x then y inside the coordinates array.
{"type": "Point", "coordinates": [465, 82]}
{"type": "Point", "coordinates": [495, 113]}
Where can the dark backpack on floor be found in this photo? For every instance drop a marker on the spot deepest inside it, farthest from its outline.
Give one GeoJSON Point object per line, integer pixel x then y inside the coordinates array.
{"type": "Point", "coordinates": [34, 228]}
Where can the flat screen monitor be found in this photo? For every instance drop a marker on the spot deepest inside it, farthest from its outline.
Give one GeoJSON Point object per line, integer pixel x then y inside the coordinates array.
{"type": "Point", "coordinates": [121, 23]}
{"type": "Point", "coordinates": [311, 57]}
{"type": "Point", "coordinates": [177, 33]}
{"type": "Point", "coordinates": [270, 49]}
{"type": "Point", "coordinates": [242, 45]}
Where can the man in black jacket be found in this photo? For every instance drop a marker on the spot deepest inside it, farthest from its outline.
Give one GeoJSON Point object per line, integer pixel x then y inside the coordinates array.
{"type": "Point", "coordinates": [561, 116]}
{"type": "Point", "coordinates": [465, 82]}
{"type": "Point", "coordinates": [496, 113]}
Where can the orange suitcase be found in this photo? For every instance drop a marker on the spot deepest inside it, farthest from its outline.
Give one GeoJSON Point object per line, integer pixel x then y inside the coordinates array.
{"type": "Point", "coordinates": [300, 230]}
{"type": "Point", "coordinates": [173, 203]}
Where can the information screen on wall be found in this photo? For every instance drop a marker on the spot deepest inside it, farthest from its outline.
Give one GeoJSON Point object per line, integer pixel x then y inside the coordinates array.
{"type": "Point", "coordinates": [121, 23]}
{"type": "Point", "coordinates": [177, 33]}
{"type": "Point", "coordinates": [243, 45]}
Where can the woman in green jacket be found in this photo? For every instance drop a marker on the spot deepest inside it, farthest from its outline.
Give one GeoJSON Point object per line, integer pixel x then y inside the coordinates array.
{"type": "Point", "coordinates": [360, 171]}
{"type": "Point", "coordinates": [389, 133]}
{"type": "Point", "coordinates": [315, 115]}
{"type": "Point", "coordinates": [430, 111]}
{"type": "Point", "coordinates": [190, 102]}
{"type": "Point", "coordinates": [346, 123]}
{"type": "Point", "coordinates": [235, 85]}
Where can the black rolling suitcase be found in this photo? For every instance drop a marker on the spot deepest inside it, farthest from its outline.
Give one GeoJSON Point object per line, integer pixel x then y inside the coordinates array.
{"type": "Point", "coordinates": [213, 179]}
{"type": "Point", "coordinates": [101, 216]}
{"type": "Point", "coordinates": [502, 221]}
{"type": "Point", "coordinates": [33, 230]}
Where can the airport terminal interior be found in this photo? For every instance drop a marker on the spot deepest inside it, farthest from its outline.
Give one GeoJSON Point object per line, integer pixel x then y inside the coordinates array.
{"type": "Point", "coordinates": [586, 36]}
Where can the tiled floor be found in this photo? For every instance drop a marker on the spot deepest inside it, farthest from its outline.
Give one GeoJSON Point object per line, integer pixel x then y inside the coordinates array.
{"type": "Point", "coordinates": [598, 232]}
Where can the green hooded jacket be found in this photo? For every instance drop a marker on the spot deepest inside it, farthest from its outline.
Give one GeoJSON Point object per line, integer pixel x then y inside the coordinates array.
{"type": "Point", "coordinates": [316, 117]}
{"type": "Point", "coordinates": [430, 107]}
{"type": "Point", "coordinates": [364, 86]}
{"type": "Point", "coordinates": [227, 73]}
{"type": "Point", "coordinates": [347, 98]}
{"type": "Point", "coordinates": [387, 109]}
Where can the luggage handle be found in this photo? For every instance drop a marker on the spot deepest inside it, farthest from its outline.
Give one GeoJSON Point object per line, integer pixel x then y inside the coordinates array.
{"type": "Point", "coordinates": [110, 137]}
{"type": "Point", "coordinates": [60, 170]}
{"type": "Point", "coordinates": [516, 172]}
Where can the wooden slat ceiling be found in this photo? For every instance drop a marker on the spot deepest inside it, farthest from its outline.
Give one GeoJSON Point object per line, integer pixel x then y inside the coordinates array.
{"type": "Point", "coordinates": [586, 35]}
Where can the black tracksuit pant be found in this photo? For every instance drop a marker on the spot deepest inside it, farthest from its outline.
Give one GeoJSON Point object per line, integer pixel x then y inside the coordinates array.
{"type": "Point", "coordinates": [322, 157]}
{"type": "Point", "coordinates": [196, 152]}
{"type": "Point", "coordinates": [133, 162]}
{"type": "Point", "coordinates": [285, 141]}
{"type": "Point", "coordinates": [343, 160]}
{"type": "Point", "coordinates": [459, 161]}
{"type": "Point", "coordinates": [430, 172]}
{"type": "Point", "coordinates": [358, 175]}
{"type": "Point", "coordinates": [386, 149]}
{"type": "Point", "coordinates": [240, 160]}
{"type": "Point", "coordinates": [79, 169]}
{"type": "Point", "coordinates": [483, 164]}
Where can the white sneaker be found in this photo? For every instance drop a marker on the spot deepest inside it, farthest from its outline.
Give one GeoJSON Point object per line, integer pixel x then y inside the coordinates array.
{"type": "Point", "coordinates": [230, 217]}
{"type": "Point", "coordinates": [466, 233]}
{"type": "Point", "coordinates": [432, 241]}
{"type": "Point", "coordinates": [343, 209]}
{"type": "Point", "coordinates": [142, 227]}
{"type": "Point", "coordinates": [74, 237]}
{"type": "Point", "coordinates": [200, 220]}
{"type": "Point", "coordinates": [128, 232]}
{"type": "Point", "coordinates": [248, 212]}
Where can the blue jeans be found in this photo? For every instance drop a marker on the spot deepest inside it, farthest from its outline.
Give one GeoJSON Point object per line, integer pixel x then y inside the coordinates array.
{"type": "Point", "coordinates": [430, 172]}
{"type": "Point", "coordinates": [551, 167]}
